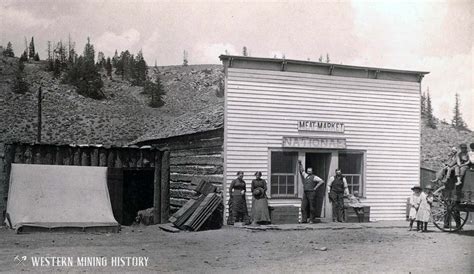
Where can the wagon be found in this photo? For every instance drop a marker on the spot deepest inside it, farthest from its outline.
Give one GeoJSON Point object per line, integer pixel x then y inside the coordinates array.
{"type": "Point", "coordinates": [452, 204]}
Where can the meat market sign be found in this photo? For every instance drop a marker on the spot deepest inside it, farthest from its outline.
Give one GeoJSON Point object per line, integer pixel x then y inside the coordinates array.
{"type": "Point", "coordinates": [313, 142]}
{"type": "Point", "coordinates": [320, 126]}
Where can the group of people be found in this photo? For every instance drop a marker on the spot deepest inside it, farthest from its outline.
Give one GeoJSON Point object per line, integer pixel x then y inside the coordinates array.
{"type": "Point", "coordinates": [459, 161]}
{"type": "Point", "coordinates": [337, 188]}
{"type": "Point", "coordinates": [238, 205]}
{"type": "Point", "coordinates": [420, 207]}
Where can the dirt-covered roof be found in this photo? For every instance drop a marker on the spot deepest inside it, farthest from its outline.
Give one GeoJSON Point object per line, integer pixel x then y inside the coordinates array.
{"type": "Point", "coordinates": [209, 118]}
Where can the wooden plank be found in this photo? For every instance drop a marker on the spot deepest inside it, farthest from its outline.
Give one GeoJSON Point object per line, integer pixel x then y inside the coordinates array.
{"type": "Point", "coordinates": [197, 170]}
{"type": "Point", "coordinates": [165, 186]}
{"type": "Point", "coordinates": [169, 227]}
{"type": "Point", "coordinates": [188, 178]}
{"type": "Point", "coordinates": [197, 160]}
{"type": "Point", "coordinates": [211, 150]}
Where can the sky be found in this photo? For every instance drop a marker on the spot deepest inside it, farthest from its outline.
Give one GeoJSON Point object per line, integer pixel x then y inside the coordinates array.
{"type": "Point", "coordinates": [434, 36]}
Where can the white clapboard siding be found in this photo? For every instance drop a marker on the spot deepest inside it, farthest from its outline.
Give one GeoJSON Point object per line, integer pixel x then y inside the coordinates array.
{"type": "Point", "coordinates": [381, 117]}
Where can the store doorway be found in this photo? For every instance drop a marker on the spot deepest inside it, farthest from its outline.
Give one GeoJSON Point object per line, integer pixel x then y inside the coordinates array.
{"type": "Point", "coordinates": [320, 163]}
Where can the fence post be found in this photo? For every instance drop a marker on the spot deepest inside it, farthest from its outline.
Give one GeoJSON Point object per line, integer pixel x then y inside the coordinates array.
{"type": "Point", "coordinates": [165, 186]}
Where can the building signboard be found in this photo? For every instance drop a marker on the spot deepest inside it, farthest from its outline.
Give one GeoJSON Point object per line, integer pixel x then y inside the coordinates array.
{"type": "Point", "coordinates": [321, 126]}
{"type": "Point", "coordinates": [314, 142]}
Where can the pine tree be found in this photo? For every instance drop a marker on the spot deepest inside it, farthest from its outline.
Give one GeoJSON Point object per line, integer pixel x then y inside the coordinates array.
{"type": "Point", "coordinates": [140, 70]}
{"type": "Point", "coordinates": [84, 75]}
{"type": "Point", "coordinates": [156, 92]}
{"type": "Point", "coordinates": [101, 59]}
{"type": "Point", "coordinates": [9, 51]}
{"type": "Point", "coordinates": [36, 58]}
{"type": "Point", "coordinates": [24, 57]}
{"type": "Point", "coordinates": [458, 122]}
{"type": "Point", "coordinates": [431, 120]}
{"type": "Point", "coordinates": [185, 58]}
{"type": "Point", "coordinates": [423, 103]}
{"type": "Point", "coordinates": [320, 59]}
{"type": "Point", "coordinates": [244, 51]}
{"type": "Point", "coordinates": [108, 67]}
{"type": "Point", "coordinates": [327, 58]}
{"type": "Point", "coordinates": [115, 59]}
{"type": "Point", "coordinates": [32, 49]}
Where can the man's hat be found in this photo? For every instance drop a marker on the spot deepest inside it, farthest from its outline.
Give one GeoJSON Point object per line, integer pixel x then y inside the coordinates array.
{"type": "Point", "coordinates": [463, 146]}
{"type": "Point", "coordinates": [416, 187]}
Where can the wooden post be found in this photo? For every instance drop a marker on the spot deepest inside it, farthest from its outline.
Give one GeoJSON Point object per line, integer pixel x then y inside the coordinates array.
{"type": "Point", "coordinates": [28, 156]}
{"type": "Point", "coordinates": [157, 188]}
{"type": "Point", "coordinates": [76, 156]}
{"type": "Point", "coordinates": [102, 157]}
{"type": "Point", "coordinates": [37, 154]}
{"type": "Point", "coordinates": [118, 158]}
{"type": "Point", "coordinates": [165, 186]}
{"type": "Point", "coordinates": [18, 158]}
{"type": "Point", "coordinates": [58, 159]}
{"type": "Point", "coordinates": [111, 157]}
{"type": "Point", "coordinates": [85, 157]}
{"type": "Point", "coordinates": [94, 156]}
{"type": "Point", "coordinates": [40, 99]}
{"type": "Point", "coordinates": [9, 158]}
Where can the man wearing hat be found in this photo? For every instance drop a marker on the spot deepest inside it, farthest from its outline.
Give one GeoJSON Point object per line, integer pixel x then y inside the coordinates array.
{"type": "Point", "coordinates": [337, 188]}
{"type": "Point", "coordinates": [311, 183]}
{"type": "Point", "coordinates": [463, 162]}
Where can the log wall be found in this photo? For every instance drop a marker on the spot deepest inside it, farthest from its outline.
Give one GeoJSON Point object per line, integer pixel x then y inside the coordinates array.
{"type": "Point", "coordinates": [198, 155]}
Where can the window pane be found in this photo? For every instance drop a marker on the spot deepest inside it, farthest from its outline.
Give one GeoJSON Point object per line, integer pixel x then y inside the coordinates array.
{"type": "Point", "coordinates": [291, 180]}
{"type": "Point", "coordinates": [291, 190]}
{"type": "Point", "coordinates": [275, 189]}
{"type": "Point", "coordinates": [283, 162]}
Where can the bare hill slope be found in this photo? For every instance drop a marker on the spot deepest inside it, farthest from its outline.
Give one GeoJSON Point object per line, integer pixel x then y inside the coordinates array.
{"type": "Point", "coordinates": [119, 119]}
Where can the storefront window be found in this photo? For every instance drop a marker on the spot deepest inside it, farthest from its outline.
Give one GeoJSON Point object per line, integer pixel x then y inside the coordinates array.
{"type": "Point", "coordinates": [352, 167]}
{"type": "Point", "coordinates": [283, 174]}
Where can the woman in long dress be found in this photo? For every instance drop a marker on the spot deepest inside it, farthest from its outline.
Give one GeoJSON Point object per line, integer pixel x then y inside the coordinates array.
{"type": "Point", "coordinates": [260, 213]}
{"type": "Point", "coordinates": [237, 194]}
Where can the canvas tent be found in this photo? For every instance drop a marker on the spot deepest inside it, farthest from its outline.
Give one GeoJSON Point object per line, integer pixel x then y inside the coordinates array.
{"type": "Point", "coordinates": [53, 197]}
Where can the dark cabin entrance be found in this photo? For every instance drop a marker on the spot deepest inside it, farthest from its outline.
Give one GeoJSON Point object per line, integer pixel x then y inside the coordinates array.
{"type": "Point", "coordinates": [137, 193]}
{"type": "Point", "coordinates": [320, 164]}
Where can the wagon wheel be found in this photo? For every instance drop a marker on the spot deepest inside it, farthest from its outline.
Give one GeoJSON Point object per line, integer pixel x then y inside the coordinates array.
{"type": "Point", "coordinates": [446, 214]}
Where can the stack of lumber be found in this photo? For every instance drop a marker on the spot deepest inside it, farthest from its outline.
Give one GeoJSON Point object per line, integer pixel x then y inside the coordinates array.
{"type": "Point", "coordinates": [194, 214]}
{"type": "Point", "coordinates": [183, 214]}
{"type": "Point", "coordinates": [203, 212]}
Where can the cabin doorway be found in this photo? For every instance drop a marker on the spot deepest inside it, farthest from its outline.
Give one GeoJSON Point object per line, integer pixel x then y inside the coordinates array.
{"type": "Point", "coordinates": [320, 164]}
{"type": "Point", "coordinates": [138, 192]}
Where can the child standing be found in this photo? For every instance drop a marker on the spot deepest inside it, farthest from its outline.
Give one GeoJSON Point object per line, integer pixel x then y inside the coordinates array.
{"type": "Point", "coordinates": [414, 204]}
{"type": "Point", "coordinates": [424, 210]}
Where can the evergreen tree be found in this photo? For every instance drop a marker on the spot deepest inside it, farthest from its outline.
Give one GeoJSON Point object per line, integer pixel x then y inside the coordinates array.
{"type": "Point", "coordinates": [32, 52]}
{"type": "Point", "coordinates": [9, 51]}
{"type": "Point", "coordinates": [140, 70]}
{"type": "Point", "coordinates": [101, 59]}
{"type": "Point", "coordinates": [244, 51]}
{"type": "Point", "coordinates": [423, 103]}
{"type": "Point", "coordinates": [84, 75]}
{"type": "Point", "coordinates": [20, 85]}
{"type": "Point", "coordinates": [36, 58]}
{"type": "Point", "coordinates": [185, 58]}
{"type": "Point", "coordinates": [156, 92]}
{"type": "Point", "coordinates": [71, 52]}
{"type": "Point", "coordinates": [24, 57]}
{"type": "Point", "coordinates": [320, 58]}
{"type": "Point", "coordinates": [108, 67]}
{"type": "Point", "coordinates": [327, 58]}
{"type": "Point", "coordinates": [431, 120]}
{"type": "Point", "coordinates": [458, 122]}
{"type": "Point", "coordinates": [115, 59]}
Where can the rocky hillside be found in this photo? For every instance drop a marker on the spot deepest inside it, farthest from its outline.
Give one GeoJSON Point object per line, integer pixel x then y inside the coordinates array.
{"type": "Point", "coordinates": [124, 115]}
{"type": "Point", "coordinates": [119, 119]}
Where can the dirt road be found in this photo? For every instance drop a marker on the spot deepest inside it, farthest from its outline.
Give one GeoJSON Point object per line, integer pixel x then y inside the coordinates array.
{"type": "Point", "coordinates": [234, 250]}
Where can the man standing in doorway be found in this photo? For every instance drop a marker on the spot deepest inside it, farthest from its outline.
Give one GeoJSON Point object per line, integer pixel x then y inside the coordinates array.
{"type": "Point", "coordinates": [337, 188]}
{"type": "Point", "coordinates": [311, 183]}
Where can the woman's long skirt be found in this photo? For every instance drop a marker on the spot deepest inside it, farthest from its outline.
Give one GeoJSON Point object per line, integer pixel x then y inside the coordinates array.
{"type": "Point", "coordinates": [260, 213]}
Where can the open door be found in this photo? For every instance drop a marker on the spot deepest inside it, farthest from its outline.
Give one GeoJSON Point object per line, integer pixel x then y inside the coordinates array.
{"type": "Point", "coordinates": [320, 164]}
